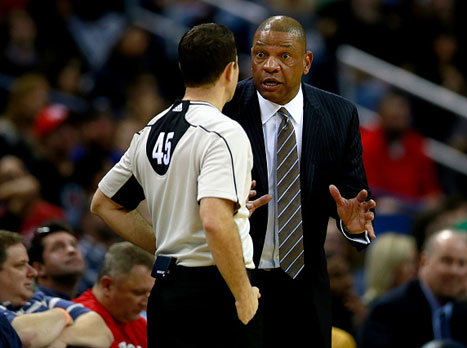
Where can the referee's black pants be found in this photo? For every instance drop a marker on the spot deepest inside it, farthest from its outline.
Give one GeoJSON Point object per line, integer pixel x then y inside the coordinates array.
{"type": "Point", "coordinates": [193, 307]}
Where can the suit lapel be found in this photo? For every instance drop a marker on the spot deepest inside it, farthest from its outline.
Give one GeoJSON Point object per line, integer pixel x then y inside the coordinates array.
{"type": "Point", "coordinates": [251, 120]}
{"type": "Point", "coordinates": [310, 132]}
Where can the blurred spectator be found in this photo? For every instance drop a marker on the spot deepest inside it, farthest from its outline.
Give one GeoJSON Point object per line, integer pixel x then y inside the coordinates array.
{"type": "Point", "coordinates": [337, 244]}
{"type": "Point", "coordinates": [95, 153]}
{"type": "Point", "coordinates": [390, 261]}
{"type": "Point", "coordinates": [369, 90]}
{"type": "Point", "coordinates": [54, 41]}
{"type": "Point", "coordinates": [446, 72]}
{"type": "Point", "coordinates": [28, 95]}
{"type": "Point", "coordinates": [39, 320]}
{"type": "Point", "coordinates": [394, 157]}
{"type": "Point", "coordinates": [121, 293]}
{"type": "Point", "coordinates": [348, 311]}
{"type": "Point", "coordinates": [143, 99]}
{"type": "Point", "coordinates": [454, 182]}
{"type": "Point", "coordinates": [124, 132]}
{"type": "Point", "coordinates": [443, 65]}
{"type": "Point", "coordinates": [68, 78]}
{"type": "Point", "coordinates": [95, 28]}
{"type": "Point", "coordinates": [426, 308]}
{"type": "Point", "coordinates": [22, 208]}
{"type": "Point", "coordinates": [135, 54]}
{"type": "Point", "coordinates": [335, 241]}
{"type": "Point", "coordinates": [6, 6]}
{"type": "Point", "coordinates": [20, 54]}
{"type": "Point", "coordinates": [463, 296]}
{"type": "Point", "coordinates": [55, 255]}
{"type": "Point", "coordinates": [302, 10]}
{"type": "Point", "coordinates": [56, 137]}
{"type": "Point", "coordinates": [96, 238]}
{"type": "Point", "coordinates": [56, 130]}
{"type": "Point", "coordinates": [365, 24]}
{"type": "Point", "coordinates": [187, 12]}
{"type": "Point", "coordinates": [439, 27]}
{"type": "Point", "coordinates": [450, 213]}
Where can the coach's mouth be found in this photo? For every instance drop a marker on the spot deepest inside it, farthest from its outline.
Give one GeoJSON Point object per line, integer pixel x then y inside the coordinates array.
{"type": "Point", "coordinates": [271, 84]}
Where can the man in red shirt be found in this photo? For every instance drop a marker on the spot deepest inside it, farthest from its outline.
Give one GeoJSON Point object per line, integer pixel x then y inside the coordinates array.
{"type": "Point", "coordinates": [394, 155]}
{"type": "Point", "coordinates": [121, 293]}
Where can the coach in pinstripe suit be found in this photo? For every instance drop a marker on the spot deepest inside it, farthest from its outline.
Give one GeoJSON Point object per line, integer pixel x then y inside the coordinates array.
{"type": "Point", "coordinates": [297, 311]}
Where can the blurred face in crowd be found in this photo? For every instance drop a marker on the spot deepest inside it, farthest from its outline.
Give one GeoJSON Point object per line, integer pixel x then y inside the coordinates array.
{"type": "Point", "coordinates": [61, 256]}
{"type": "Point", "coordinates": [406, 270]}
{"type": "Point", "coordinates": [16, 276]}
{"type": "Point", "coordinates": [444, 266]}
{"type": "Point", "coordinates": [395, 114]}
{"type": "Point", "coordinates": [126, 297]}
{"type": "Point", "coordinates": [17, 186]}
{"type": "Point", "coordinates": [279, 61]}
{"type": "Point", "coordinates": [340, 277]}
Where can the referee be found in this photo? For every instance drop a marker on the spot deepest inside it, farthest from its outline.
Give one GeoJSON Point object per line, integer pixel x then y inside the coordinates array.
{"type": "Point", "coordinates": [192, 164]}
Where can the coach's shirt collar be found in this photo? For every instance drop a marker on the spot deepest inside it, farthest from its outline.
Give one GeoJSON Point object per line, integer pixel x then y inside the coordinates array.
{"type": "Point", "coordinates": [295, 108]}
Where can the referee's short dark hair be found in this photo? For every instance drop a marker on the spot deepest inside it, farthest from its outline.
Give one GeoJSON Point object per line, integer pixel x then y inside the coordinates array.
{"type": "Point", "coordinates": [204, 52]}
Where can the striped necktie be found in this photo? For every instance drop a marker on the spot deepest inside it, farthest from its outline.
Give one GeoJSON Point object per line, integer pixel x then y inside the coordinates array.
{"type": "Point", "coordinates": [289, 212]}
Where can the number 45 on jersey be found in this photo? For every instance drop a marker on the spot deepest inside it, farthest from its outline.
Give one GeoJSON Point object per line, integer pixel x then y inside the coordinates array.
{"type": "Point", "coordinates": [162, 147]}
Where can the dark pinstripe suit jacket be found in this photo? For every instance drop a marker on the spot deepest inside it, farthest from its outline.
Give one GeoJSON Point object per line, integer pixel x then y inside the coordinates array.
{"type": "Point", "coordinates": [331, 154]}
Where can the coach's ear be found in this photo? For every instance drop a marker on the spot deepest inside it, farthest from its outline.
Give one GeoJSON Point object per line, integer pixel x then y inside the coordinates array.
{"type": "Point", "coordinates": [307, 60]}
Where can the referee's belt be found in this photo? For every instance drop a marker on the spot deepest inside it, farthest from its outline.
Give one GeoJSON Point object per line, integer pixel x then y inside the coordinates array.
{"type": "Point", "coordinates": [167, 265]}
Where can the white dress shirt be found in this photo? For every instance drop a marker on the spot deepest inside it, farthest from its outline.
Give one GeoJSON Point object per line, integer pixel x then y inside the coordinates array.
{"type": "Point", "coordinates": [271, 121]}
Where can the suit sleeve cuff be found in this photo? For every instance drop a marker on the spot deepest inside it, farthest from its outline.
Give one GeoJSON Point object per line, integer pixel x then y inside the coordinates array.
{"type": "Point", "coordinates": [361, 238]}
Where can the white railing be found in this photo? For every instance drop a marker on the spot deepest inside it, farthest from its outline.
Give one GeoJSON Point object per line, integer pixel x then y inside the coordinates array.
{"type": "Point", "coordinates": [402, 79]}
{"type": "Point", "coordinates": [351, 57]}
{"type": "Point", "coordinates": [154, 23]}
{"type": "Point", "coordinates": [249, 11]}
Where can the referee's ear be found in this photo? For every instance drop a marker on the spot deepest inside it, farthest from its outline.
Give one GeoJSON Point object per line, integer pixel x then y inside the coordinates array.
{"type": "Point", "coordinates": [230, 78]}
{"type": "Point", "coordinates": [231, 71]}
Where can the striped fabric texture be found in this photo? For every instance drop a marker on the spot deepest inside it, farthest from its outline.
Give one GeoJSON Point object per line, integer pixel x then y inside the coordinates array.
{"type": "Point", "coordinates": [289, 212]}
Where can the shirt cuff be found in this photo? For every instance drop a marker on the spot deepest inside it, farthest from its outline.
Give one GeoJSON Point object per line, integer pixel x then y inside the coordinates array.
{"type": "Point", "coordinates": [362, 238]}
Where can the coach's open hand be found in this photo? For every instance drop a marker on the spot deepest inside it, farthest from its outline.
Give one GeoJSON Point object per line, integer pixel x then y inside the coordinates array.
{"type": "Point", "coordinates": [355, 212]}
{"type": "Point", "coordinates": [253, 205]}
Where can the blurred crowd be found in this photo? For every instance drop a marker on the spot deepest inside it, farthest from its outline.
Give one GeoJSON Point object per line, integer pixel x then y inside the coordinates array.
{"type": "Point", "coordinates": [78, 78]}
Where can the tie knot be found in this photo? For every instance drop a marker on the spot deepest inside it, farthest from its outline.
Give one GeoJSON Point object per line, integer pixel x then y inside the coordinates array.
{"type": "Point", "coordinates": [283, 113]}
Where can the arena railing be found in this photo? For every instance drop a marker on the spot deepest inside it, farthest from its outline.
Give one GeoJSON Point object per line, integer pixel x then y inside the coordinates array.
{"type": "Point", "coordinates": [351, 59]}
